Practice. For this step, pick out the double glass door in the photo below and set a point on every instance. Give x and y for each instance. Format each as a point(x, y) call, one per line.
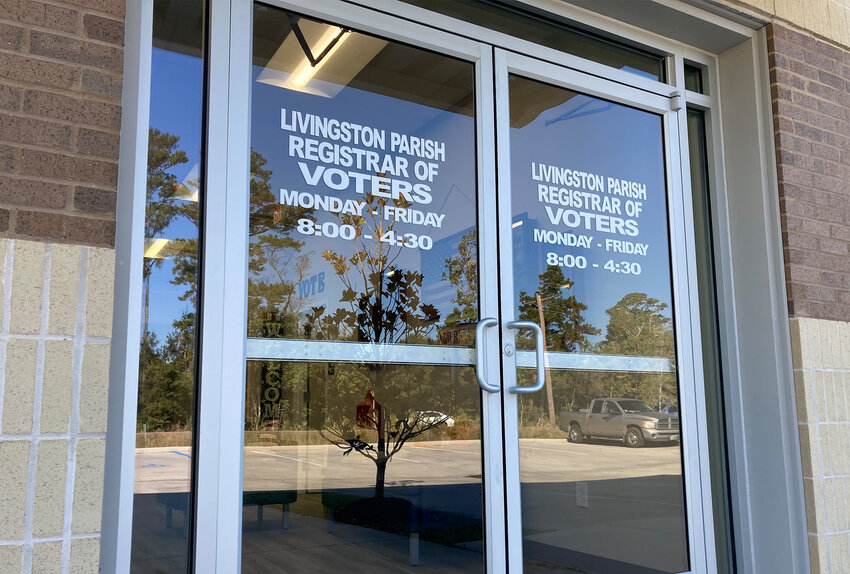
point(465, 301)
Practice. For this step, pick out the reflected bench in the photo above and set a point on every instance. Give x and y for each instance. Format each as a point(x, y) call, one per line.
point(259, 498)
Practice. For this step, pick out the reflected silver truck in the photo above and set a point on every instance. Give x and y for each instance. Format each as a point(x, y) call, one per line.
point(630, 420)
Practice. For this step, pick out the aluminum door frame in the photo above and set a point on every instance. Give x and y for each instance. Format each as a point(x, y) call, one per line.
point(220, 445)
point(685, 306)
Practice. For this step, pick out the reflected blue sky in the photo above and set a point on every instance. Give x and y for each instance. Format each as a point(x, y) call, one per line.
point(453, 189)
point(176, 79)
point(591, 135)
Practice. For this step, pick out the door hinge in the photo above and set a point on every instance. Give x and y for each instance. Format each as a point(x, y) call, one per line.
point(677, 102)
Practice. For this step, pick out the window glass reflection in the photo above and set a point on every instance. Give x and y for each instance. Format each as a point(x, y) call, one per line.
point(590, 243)
point(362, 230)
point(362, 188)
point(361, 467)
point(588, 503)
point(166, 401)
point(592, 268)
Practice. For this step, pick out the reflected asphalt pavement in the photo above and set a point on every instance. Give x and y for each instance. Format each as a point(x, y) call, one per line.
point(166, 469)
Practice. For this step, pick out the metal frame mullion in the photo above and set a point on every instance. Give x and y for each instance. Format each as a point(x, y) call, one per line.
point(495, 516)
point(513, 503)
point(219, 445)
point(120, 456)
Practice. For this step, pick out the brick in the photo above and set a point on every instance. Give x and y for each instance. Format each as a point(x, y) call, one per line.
point(14, 458)
point(98, 143)
point(33, 131)
point(29, 193)
point(94, 232)
point(808, 132)
point(5, 216)
point(72, 109)
point(112, 7)
point(64, 283)
point(65, 228)
point(819, 59)
point(88, 486)
point(20, 385)
point(832, 246)
point(7, 158)
point(11, 37)
point(10, 98)
point(804, 70)
point(40, 225)
point(94, 201)
point(49, 509)
point(831, 80)
point(68, 168)
point(85, 556)
point(828, 93)
point(39, 14)
point(78, 51)
point(790, 79)
point(95, 386)
point(36, 72)
point(826, 152)
point(775, 60)
point(104, 29)
point(102, 84)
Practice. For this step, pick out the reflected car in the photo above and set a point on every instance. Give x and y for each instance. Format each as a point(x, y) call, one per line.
point(431, 417)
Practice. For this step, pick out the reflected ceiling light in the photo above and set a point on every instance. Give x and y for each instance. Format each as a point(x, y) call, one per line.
point(155, 247)
point(189, 186)
point(319, 59)
point(330, 42)
point(517, 224)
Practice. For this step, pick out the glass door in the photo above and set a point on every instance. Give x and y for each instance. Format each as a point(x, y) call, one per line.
point(443, 373)
point(594, 458)
point(366, 441)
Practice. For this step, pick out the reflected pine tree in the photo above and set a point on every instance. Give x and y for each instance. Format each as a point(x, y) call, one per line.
point(275, 261)
point(637, 326)
point(462, 272)
point(566, 329)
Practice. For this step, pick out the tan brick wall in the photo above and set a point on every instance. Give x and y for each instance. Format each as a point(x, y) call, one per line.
point(56, 304)
point(829, 19)
point(60, 94)
point(821, 355)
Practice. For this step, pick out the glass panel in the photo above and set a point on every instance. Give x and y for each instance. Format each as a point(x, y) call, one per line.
point(363, 236)
point(363, 188)
point(693, 79)
point(542, 30)
point(162, 508)
point(709, 324)
point(361, 468)
point(592, 267)
point(589, 505)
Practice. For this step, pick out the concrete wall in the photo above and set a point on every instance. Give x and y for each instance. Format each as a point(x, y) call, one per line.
point(60, 92)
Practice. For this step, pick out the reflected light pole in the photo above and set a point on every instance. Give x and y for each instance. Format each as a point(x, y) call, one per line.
point(548, 375)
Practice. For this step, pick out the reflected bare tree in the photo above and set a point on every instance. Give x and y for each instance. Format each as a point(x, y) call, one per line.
point(382, 306)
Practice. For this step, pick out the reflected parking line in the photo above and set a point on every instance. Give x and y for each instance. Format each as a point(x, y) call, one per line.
point(407, 459)
point(447, 450)
point(287, 457)
point(522, 447)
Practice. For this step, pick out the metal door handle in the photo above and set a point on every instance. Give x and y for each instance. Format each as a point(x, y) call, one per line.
point(479, 354)
point(541, 367)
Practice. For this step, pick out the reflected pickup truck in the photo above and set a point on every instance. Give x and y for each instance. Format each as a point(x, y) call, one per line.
point(630, 420)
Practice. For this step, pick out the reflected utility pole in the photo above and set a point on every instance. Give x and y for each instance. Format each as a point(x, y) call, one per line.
point(547, 372)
